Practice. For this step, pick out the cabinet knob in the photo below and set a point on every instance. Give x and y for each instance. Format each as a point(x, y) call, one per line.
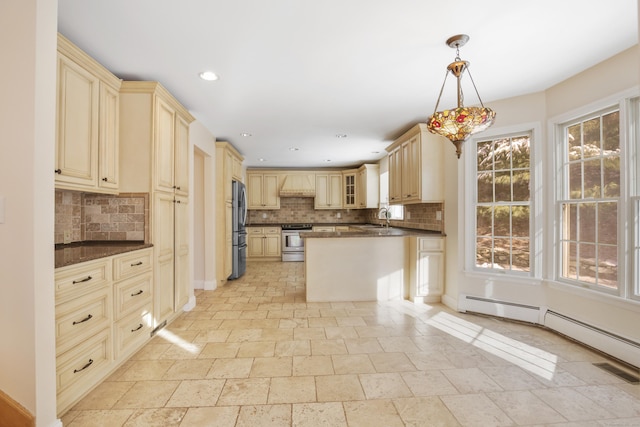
point(58, 171)
point(105, 179)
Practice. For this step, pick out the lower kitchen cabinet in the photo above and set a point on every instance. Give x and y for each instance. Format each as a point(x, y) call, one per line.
point(426, 269)
point(264, 243)
point(103, 315)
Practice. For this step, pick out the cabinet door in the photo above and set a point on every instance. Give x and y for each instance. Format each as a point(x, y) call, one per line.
point(335, 192)
point(430, 274)
point(255, 246)
point(361, 187)
point(164, 146)
point(254, 191)
point(395, 176)
point(270, 197)
point(321, 201)
point(163, 242)
point(77, 133)
point(181, 177)
point(411, 169)
point(108, 141)
point(272, 245)
point(181, 253)
point(349, 190)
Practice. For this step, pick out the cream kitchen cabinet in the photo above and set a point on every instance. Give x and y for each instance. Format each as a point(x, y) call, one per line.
point(368, 186)
point(328, 191)
point(426, 269)
point(264, 243)
point(102, 316)
point(349, 193)
point(416, 167)
point(87, 136)
point(228, 169)
point(154, 158)
point(262, 190)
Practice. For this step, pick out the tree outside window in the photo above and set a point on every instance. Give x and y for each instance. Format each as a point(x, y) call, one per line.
point(503, 226)
point(589, 206)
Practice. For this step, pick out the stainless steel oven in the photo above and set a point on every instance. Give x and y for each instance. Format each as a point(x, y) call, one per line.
point(292, 243)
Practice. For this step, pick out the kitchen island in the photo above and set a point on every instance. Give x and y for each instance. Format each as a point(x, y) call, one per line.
point(370, 263)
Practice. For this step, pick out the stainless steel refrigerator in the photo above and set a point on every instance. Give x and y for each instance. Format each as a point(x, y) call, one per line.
point(239, 219)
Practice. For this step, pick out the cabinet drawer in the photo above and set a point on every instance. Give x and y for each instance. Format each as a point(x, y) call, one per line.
point(132, 293)
point(78, 279)
point(431, 243)
point(324, 229)
point(254, 230)
point(78, 369)
point(80, 318)
point(130, 264)
point(342, 228)
point(132, 331)
point(272, 230)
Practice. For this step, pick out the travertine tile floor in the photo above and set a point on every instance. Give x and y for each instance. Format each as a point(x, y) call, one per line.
point(253, 353)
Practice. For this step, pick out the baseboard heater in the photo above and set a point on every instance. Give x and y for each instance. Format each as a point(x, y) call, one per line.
point(506, 309)
point(619, 347)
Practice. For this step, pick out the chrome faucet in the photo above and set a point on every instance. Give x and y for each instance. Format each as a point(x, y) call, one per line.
point(387, 215)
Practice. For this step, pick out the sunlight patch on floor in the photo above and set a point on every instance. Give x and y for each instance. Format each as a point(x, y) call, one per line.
point(174, 339)
point(532, 359)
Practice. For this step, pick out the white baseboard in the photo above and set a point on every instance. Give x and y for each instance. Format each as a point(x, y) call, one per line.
point(506, 309)
point(450, 302)
point(191, 304)
point(198, 284)
point(210, 285)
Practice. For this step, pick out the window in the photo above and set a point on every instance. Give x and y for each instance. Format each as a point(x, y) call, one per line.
point(589, 200)
point(502, 205)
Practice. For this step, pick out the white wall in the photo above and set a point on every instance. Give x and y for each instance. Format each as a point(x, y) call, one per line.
point(622, 72)
point(27, 119)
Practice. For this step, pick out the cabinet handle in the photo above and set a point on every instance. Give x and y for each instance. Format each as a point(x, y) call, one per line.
point(58, 171)
point(135, 264)
point(105, 179)
point(89, 317)
point(138, 328)
point(86, 279)
point(176, 187)
point(178, 201)
point(137, 293)
point(75, 371)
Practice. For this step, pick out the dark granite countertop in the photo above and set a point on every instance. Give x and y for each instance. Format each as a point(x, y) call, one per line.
point(77, 252)
point(369, 230)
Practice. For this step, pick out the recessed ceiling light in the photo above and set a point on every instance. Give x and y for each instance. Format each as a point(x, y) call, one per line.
point(341, 135)
point(327, 160)
point(208, 76)
point(293, 149)
point(245, 134)
point(375, 152)
point(262, 160)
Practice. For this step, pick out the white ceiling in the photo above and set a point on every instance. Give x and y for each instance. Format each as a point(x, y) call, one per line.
point(296, 73)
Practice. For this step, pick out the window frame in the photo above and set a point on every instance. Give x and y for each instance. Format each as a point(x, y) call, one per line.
point(535, 198)
point(628, 104)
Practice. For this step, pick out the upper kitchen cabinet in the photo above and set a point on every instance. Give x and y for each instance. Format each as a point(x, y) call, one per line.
point(262, 190)
point(328, 191)
point(349, 192)
point(368, 186)
point(416, 167)
point(154, 130)
point(87, 136)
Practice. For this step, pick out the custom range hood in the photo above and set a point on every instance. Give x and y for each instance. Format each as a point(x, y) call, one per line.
point(298, 185)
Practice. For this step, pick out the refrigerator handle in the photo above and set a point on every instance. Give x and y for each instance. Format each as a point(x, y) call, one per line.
point(244, 205)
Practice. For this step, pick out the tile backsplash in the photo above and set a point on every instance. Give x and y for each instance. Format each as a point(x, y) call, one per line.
point(421, 216)
point(90, 216)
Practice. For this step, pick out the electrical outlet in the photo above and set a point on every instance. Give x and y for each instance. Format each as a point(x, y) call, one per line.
point(438, 215)
point(338, 215)
point(67, 236)
point(408, 215)
point(264, 216)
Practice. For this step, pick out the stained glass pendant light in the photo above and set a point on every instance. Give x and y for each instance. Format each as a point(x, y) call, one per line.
point(458, 124)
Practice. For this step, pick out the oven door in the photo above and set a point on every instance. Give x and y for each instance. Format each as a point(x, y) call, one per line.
point(292, 242)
